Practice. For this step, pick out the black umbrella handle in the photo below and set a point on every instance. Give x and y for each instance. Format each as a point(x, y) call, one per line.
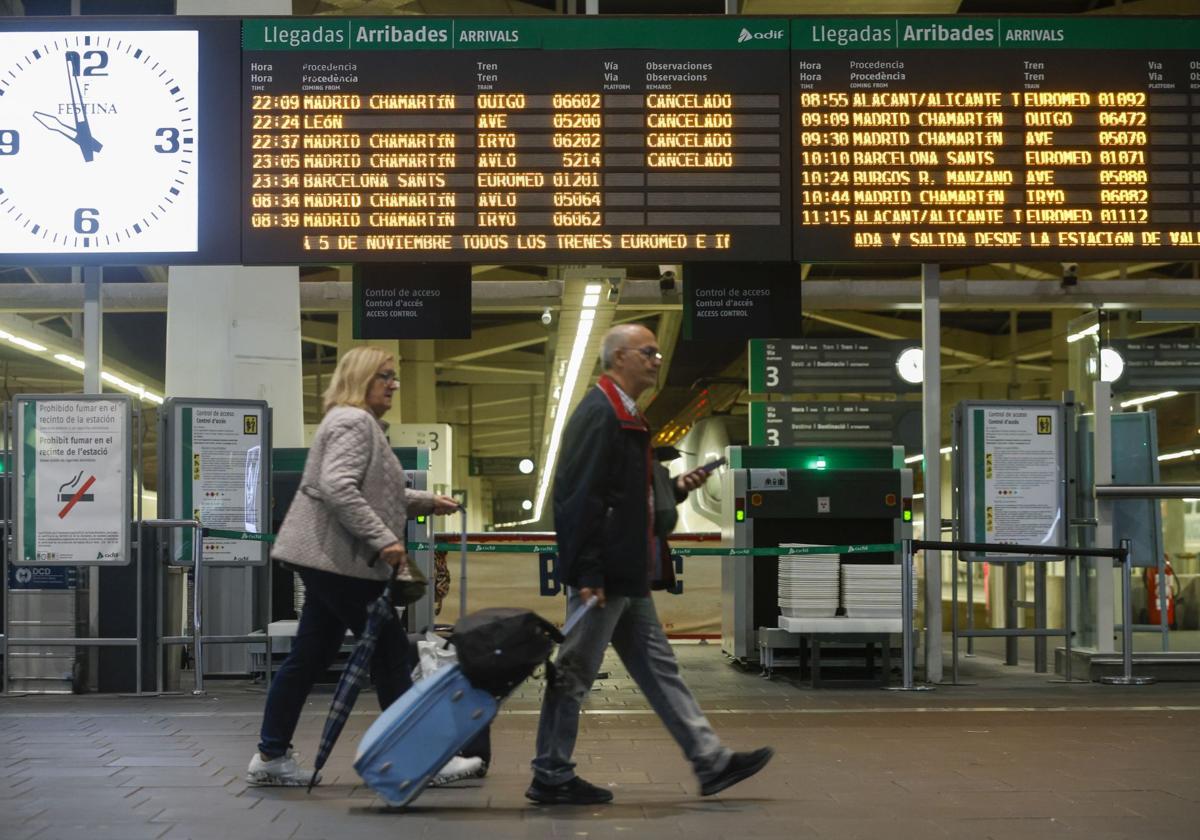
point(387, 586)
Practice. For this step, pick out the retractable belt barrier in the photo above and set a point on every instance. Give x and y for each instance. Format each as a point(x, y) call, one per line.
point(538, 548)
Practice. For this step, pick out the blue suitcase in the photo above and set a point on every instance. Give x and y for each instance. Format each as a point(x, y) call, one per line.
point(420, 732)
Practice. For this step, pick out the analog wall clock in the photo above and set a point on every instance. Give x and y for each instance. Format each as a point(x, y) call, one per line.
point(98, 142)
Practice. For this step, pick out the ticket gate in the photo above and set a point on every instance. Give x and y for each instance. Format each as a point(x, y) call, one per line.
point(287, 594)
point(287, 468)
point(821, 496)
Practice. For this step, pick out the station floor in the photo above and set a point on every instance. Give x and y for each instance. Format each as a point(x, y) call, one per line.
point(1013, 755)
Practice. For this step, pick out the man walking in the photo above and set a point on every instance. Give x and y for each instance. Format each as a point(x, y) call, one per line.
point(604, 517)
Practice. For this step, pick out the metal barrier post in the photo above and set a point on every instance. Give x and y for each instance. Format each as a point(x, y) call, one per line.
point(1127, 677)
point(197, 552)
point(1067, 616)
point(906, 620)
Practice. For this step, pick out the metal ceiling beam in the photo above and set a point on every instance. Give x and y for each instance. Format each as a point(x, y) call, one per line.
point(536, 295)
point(962, 344)
point(1002, 294)
point(484, 375)
point(318, 332)
point(489, 341)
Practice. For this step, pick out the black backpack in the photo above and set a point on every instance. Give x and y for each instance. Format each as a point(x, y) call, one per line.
point(499, 648)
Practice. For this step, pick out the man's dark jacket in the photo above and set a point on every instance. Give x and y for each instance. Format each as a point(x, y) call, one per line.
point(602, 496)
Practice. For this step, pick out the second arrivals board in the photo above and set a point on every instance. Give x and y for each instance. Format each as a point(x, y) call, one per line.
point(1013, 139)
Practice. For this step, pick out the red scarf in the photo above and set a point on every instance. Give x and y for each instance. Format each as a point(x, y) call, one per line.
point(635, 423)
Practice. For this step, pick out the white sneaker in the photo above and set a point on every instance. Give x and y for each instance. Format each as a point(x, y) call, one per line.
point(278, 772)
point(456, 769)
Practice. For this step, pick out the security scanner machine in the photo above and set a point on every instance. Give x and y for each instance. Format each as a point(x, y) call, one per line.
point(287, 595)
point(856, 497)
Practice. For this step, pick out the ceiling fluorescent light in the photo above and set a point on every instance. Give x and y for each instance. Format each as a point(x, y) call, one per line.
point(593, 289)
point(26, 343)
point(560, 418)
point(591, 300)
point(1152, 398)
point(1092, 330)
point(912, 459)
point(1171, 456)
point(70, 360)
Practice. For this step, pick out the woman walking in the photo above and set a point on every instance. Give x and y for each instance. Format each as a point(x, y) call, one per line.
point(344, 533)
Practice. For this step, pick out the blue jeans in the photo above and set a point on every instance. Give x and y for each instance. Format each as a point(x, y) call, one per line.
point(332, 604)
point(632, 625)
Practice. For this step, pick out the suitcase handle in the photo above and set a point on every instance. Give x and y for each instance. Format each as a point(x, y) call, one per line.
point(462, 572)
point(578, 615)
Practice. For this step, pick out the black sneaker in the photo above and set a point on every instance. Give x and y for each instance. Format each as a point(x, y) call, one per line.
point(741, 766)
point(573, 792)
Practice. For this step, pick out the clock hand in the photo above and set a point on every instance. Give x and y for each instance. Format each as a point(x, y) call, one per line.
point(87, 144)
point(56, 125)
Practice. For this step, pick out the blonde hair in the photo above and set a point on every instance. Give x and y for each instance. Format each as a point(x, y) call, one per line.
point(352, 377)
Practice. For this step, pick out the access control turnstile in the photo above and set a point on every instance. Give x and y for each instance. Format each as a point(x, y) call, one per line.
point(287, 596)
point(818, 495)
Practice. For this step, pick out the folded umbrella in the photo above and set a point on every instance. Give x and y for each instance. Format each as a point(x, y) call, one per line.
point(358, 669)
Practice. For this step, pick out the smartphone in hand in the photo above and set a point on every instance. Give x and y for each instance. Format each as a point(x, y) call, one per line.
point(712, 465)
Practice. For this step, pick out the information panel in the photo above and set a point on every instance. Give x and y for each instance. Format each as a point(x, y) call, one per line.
point(1157, 364)
point(516, 139)
point(1010, 473)
point(831, 365)
point(976, 139)
point(73, 480)
point(215, 450)
point(815, 423)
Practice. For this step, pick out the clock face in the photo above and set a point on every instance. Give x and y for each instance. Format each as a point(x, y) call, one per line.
point(98, 142)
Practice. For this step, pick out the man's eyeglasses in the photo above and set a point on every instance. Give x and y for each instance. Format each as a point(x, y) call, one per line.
point(388, 377)
point(651, 353)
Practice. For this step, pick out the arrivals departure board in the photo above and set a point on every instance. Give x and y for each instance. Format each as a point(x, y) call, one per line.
point(961, 139)
point(516, 140)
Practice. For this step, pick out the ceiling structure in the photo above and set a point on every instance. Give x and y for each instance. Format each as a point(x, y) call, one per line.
point(1004, 325)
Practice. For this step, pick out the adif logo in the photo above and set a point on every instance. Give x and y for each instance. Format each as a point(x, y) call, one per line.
point(770, 35)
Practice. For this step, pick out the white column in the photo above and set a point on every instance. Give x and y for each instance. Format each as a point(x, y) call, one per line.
point(234, 332)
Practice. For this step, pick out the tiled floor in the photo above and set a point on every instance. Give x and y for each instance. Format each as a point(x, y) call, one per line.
point(1013, 756)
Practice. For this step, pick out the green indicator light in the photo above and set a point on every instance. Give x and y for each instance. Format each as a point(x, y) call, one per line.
point(421, 519)
point(908, 516)
point(740, 516)
point(817, 463)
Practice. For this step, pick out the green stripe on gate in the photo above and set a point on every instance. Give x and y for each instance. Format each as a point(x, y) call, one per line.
point(549, 548)
point(237, 535)
point(544, 548)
